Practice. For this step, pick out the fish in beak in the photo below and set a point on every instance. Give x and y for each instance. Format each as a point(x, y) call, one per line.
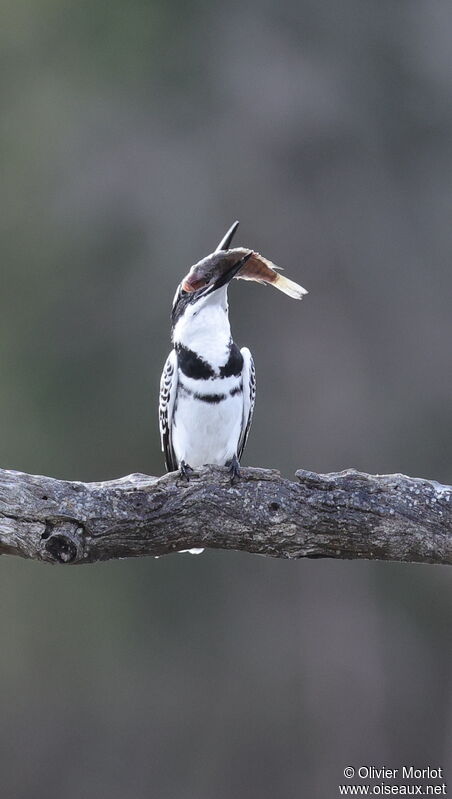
point(222, 266)
point(215, 271)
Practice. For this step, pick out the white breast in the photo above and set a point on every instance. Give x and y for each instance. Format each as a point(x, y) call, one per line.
point(205, 432)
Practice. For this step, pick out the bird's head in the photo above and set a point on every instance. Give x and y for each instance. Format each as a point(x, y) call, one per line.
point(204, 288)
point(206, 284)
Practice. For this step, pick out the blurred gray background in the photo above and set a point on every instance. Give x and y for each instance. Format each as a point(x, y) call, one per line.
point(132, 135)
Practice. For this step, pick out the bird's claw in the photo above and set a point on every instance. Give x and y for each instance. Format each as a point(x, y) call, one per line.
point(234, 470)
point(185, 470)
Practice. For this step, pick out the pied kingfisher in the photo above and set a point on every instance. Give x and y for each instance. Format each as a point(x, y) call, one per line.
point(208, 385)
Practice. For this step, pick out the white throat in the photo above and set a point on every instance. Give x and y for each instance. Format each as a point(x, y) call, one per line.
point(204, 328)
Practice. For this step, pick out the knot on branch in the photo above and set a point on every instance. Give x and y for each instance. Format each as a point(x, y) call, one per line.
point(62, 541)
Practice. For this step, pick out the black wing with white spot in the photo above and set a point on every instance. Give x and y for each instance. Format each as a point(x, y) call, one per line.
point(167, 401)
point(249, 397)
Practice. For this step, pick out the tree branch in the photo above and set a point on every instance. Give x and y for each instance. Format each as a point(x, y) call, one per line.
point(339, 515)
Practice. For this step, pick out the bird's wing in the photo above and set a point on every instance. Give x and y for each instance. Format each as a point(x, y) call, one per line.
point(167, 400)
point(249, 396)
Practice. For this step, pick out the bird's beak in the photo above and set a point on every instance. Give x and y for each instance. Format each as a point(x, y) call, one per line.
point(225, 242)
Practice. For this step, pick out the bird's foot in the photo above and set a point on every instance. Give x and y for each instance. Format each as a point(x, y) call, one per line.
point(234, 470)
point(185, 470)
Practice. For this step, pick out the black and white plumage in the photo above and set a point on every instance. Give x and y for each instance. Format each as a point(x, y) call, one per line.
point(207, 389)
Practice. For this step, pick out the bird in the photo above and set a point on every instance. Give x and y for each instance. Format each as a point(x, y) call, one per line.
point(208, 384)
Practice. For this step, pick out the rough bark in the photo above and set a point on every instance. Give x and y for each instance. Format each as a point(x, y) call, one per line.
point(340, 515)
